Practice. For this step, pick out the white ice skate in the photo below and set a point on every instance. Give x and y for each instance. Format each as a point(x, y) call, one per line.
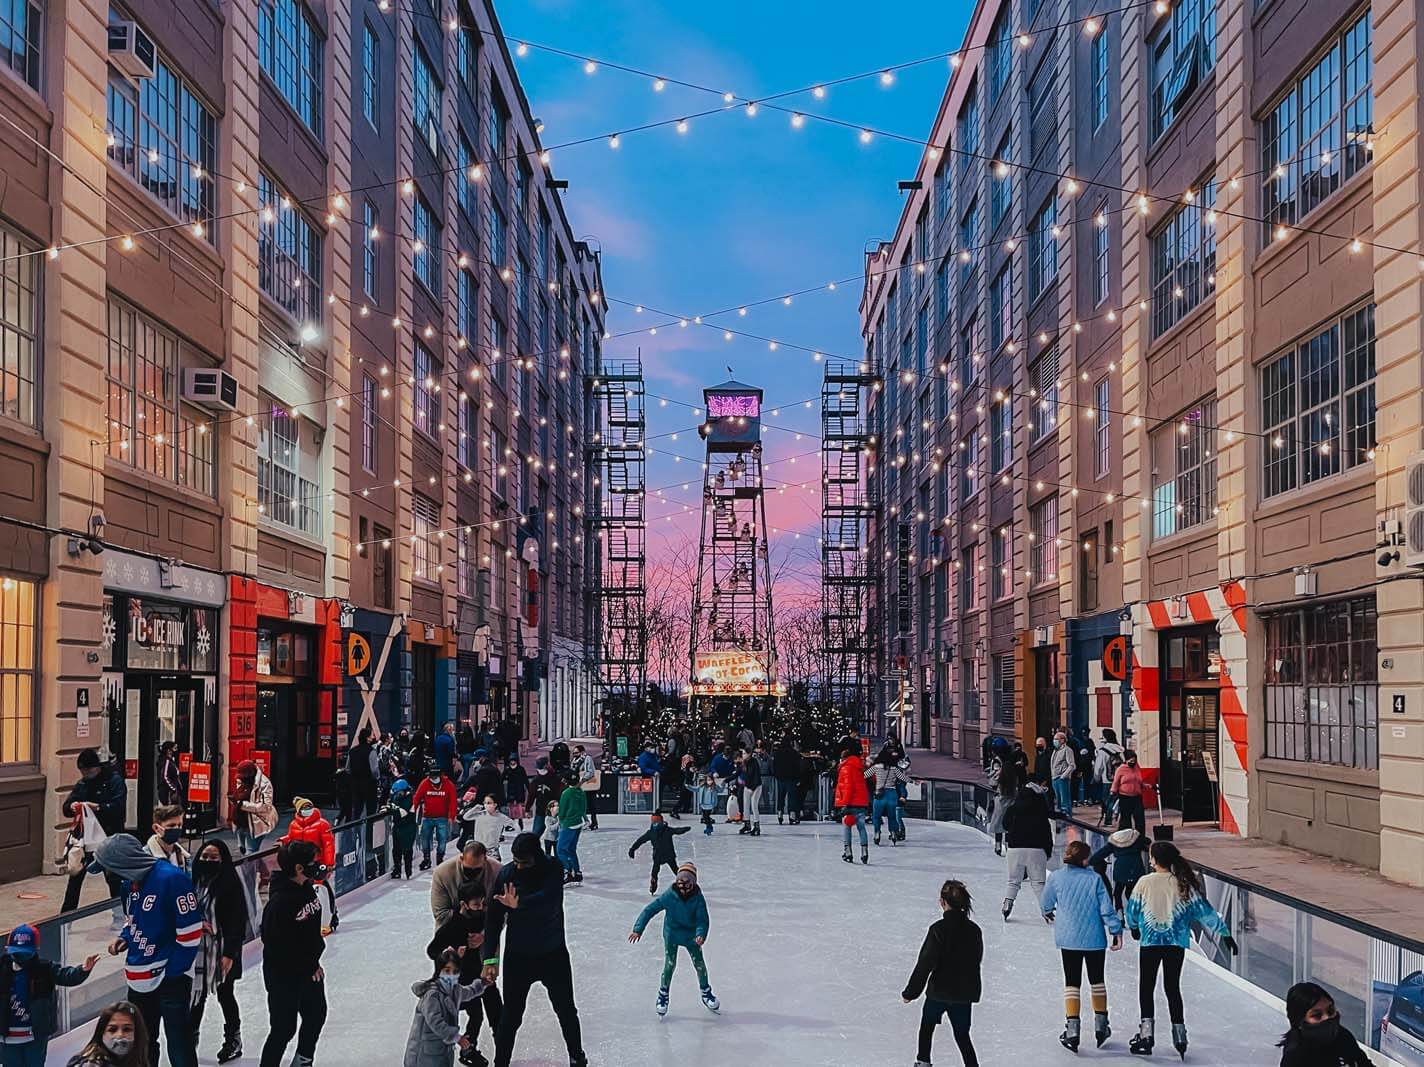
point(710, 1001)
point(662, 1001)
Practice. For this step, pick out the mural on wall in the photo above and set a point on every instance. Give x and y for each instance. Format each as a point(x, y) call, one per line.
point(372, 665)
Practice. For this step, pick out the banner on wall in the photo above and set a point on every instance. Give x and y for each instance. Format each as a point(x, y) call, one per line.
point(733, 672)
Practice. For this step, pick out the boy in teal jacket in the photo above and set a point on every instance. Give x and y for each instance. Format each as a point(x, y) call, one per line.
point(685, 923)
point(404, 824)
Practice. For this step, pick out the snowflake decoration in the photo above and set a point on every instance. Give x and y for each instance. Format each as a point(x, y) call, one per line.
point(203, 641)
point(109, 631)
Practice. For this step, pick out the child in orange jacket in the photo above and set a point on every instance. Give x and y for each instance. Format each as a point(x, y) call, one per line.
point(309, 824)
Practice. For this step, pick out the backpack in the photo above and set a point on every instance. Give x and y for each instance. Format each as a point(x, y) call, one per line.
point(1113, 762)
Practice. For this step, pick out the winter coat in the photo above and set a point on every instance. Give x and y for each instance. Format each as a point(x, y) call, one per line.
point(1127, 782)
point(291, 929)
point(487, 781)
point(1128, 850)
point(706, 797)
point(438, 801)
point(317, 830)
point(648, 762)
point(457, 932)
point(685, 919)
point(485, 828)
point(947, 969)
point(751, 773)
point(258, 807)
point(660, 834)
point(516, 785)
point(721, 766)
point(544, 789)
point(361, 762)
point(1108, 758)
point(445, 885)
point(109, 795)
point(1042, 764)
point(1157, 913)
point(225, 898)
point(851, 791)
point(179, 857)
point(785, 762)
point(43, 976)
point(1344, 1051)
point(885, 778)
point(1026, 822)
point(1063, 763)
point(403, 822)
point(573, 808)
point(436, 1031)
point(170, 782)
point(536, 927)
point(1081, 907)
point(444, 752)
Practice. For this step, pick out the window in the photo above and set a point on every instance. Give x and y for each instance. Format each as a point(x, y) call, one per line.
point(467, 306)
point(19, 326)
point(1184, 481)
point(381, 568)
point(970, 472)
point(942, 192)
point(522, 281)
point(466, 193)
point(1322, 684)
point(148, 427)
point(967, 130)
point(1182, 55)
point(1098, 76)
point(467, 56)
point(21, 22)
point(1002, 688)
point(427, 390)
point(288, 254)
point(969, 567)
point(1184, 260)
point(1001, 567)
point(370, 423)
point(427, 247)
point(1102, 280)
point(499, 345)
point(468, 450)
point(1042, 109)
point(1318, 404)
point(371, 77)
point(968, 358)
point(498, 235)
point(968, 238)
point(922, 339)
point(969, 677)
point(288, 483)
point(1001, 182)
point(1321, 132)
point(165, 138)
point(464, 562)
point(1043, 534)
point(498, 131)
point(1001, 308)
point(1043, 248)
point(1001, 435)
point(18, 616)
point(426, 112)
point(1087, 556)
point(289, 51)
point(1043, 409)
point(1000, 57)
point(370, 261)
point(1102, 427)
point(499, 469)
point(424, 520)
point(942, 292)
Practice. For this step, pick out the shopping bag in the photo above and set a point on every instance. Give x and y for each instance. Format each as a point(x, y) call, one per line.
point(94, 834)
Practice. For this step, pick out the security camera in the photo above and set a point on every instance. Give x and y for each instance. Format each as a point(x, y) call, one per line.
point(1388, 556)
point(93, 542)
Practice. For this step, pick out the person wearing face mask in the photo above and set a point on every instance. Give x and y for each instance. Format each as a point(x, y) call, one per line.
point(1063, 764)
point(516, 788)
point(437, 804)
point(163, 843)
point(487, 825)
point(219, 964)
point(1127, 793)
point(685, 925)
point(120, 1039)
point(27, 985)
point(1042, 760)
point(309, 824)
point(435, 1031)
point(253, 814)
point(292, 945)
point(472, 866)
point(1316, 1037)
point(465, 933)
point(101, 792)
point(403, 827)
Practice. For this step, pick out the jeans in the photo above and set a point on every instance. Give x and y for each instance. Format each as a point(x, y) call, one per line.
point(883, 806)
point(290, 998)
point(1170, 959)
point(232, 1016)
point(566, 848)
point(171, 1005)
point(538, 828)
point(698, 964)
point(1063, 795)
point(521, 971)
point(959, 1019)
point(247, 841)
point(788, 797)
point(27, 1055)
point(440, 830)
point(859, 815)
point(76, 885)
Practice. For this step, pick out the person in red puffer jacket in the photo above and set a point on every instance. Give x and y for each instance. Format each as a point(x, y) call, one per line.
point(853, 800)
point(309, 824)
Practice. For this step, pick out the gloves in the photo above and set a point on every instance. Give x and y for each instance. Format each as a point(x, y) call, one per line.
point(1135, 932)
point(630, 853)
point(1231, 945)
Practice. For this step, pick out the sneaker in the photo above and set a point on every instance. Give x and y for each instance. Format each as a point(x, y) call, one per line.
point(231, 1048)
point(709, 1001)
point(662, 1001)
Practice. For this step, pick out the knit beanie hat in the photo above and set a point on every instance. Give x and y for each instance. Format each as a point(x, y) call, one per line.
point(688, 868)
point(656, 817)
point(24, 942)
point(298, 803)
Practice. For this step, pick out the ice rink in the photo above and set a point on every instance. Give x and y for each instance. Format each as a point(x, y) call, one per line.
point(808, 956)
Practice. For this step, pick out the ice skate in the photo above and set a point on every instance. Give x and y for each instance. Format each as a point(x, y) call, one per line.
point(662, 1001)
point(1101, 1030)
point(710, 1001)
point(1008, 907)
point(847, 856)
point(395, 874)
point(780, 820)
point(1179, 1039)
point(877, 838)
point(756, 830)
point(425, 864)
point(707, 830)
point(578, 1061)
point(231, 1048)
point(578, 877)
point(1072, 1031)
point(302, 1061)
point(864, 854)
point(1141, 1045)
point(746, 829)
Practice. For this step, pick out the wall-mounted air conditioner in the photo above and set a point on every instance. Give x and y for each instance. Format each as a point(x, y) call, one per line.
point(210, 387)
point(1414, 510)
point(131, 50)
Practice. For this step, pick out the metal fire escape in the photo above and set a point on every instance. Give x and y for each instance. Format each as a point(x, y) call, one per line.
point(848, 568)
point(619, 523)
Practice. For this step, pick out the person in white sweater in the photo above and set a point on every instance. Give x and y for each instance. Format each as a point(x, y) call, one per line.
point(487, 825)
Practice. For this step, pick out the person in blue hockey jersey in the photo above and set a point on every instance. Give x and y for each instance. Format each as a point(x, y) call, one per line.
point(160, 940)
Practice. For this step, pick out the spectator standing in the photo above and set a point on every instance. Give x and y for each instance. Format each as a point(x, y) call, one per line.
point(27, 985)
point(1063, 764)
point(365, 771)
point(170, 782)
point(444, 754)
point(254, 816)
point(1127, 786)
point(102, 792)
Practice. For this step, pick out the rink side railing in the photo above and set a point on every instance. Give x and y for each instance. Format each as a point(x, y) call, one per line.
point(362, 854)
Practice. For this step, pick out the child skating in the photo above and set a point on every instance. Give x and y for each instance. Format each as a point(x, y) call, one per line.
point(707, 802)
point(403, 827)
point(685, 923)
point(660, 835)
point(550, 836)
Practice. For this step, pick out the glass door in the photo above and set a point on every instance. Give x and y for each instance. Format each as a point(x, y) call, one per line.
point(1198, 742)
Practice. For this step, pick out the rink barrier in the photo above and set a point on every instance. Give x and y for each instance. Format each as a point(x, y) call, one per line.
point(362, 855)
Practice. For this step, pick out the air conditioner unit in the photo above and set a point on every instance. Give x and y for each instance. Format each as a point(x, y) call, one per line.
point(1414, 511)
point(131, 50)
point(210, 387)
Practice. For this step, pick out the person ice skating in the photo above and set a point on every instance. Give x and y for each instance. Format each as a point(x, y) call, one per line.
point(159, 943)
point(253, 814)
point(550, 837)
point(786, 769)
point(27, 985)
point(886, 776)
point(1317, 1037)
point(163, 843)
point(573, 812)
point(435, 1031)
point(102, 794)
point(309, 824)
point(119, 1040)
point(1161, 912)
point(1077, 903)
point(588, 780)
point(1029, 838)
point(516, 789)
point(947, 971)
point(1004, 783)
point(486, 824)
point(223, 905)
point(543, 791)
point(685, 925)
point(404, 824)
point(465, 933)
point(751, 781)
point(437, 805)
point(292, 944)
point(1126, 793)
point(660, 835)
point(706, 797)
point(1128, 851)
point(853, 801)
point(473, 866)
point(528, 897)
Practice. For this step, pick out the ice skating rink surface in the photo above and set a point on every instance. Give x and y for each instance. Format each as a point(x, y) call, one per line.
point(807, 954)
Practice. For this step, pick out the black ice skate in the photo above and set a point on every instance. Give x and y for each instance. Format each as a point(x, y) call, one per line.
point(425, 864)
point(1008, 907)
point(864, 854)
point(710, 1001)
point(1141, 1045)
point(1179, 1039)
point(756, 830)
point(662, 1001)
point(231, 1048)
point(847, 856)
point(746, 828)
point(877, 838)
point(1101, 1030)
point(1072, 1031)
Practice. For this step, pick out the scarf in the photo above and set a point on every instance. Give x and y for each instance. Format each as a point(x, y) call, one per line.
point(207, 969)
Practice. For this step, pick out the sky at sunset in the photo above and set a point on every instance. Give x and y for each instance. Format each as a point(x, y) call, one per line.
point(735, 210)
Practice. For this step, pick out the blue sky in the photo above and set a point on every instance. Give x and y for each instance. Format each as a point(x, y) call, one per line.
point(738, 209)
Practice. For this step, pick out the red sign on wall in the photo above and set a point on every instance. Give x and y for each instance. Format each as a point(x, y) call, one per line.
point(200, 783)
point(263, 758)
point(185, 760)
point(640, 785)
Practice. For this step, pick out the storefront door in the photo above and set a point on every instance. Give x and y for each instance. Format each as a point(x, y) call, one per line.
point(422, 688)
point(1190, 704)
point(160, 708)
point(289, 729)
